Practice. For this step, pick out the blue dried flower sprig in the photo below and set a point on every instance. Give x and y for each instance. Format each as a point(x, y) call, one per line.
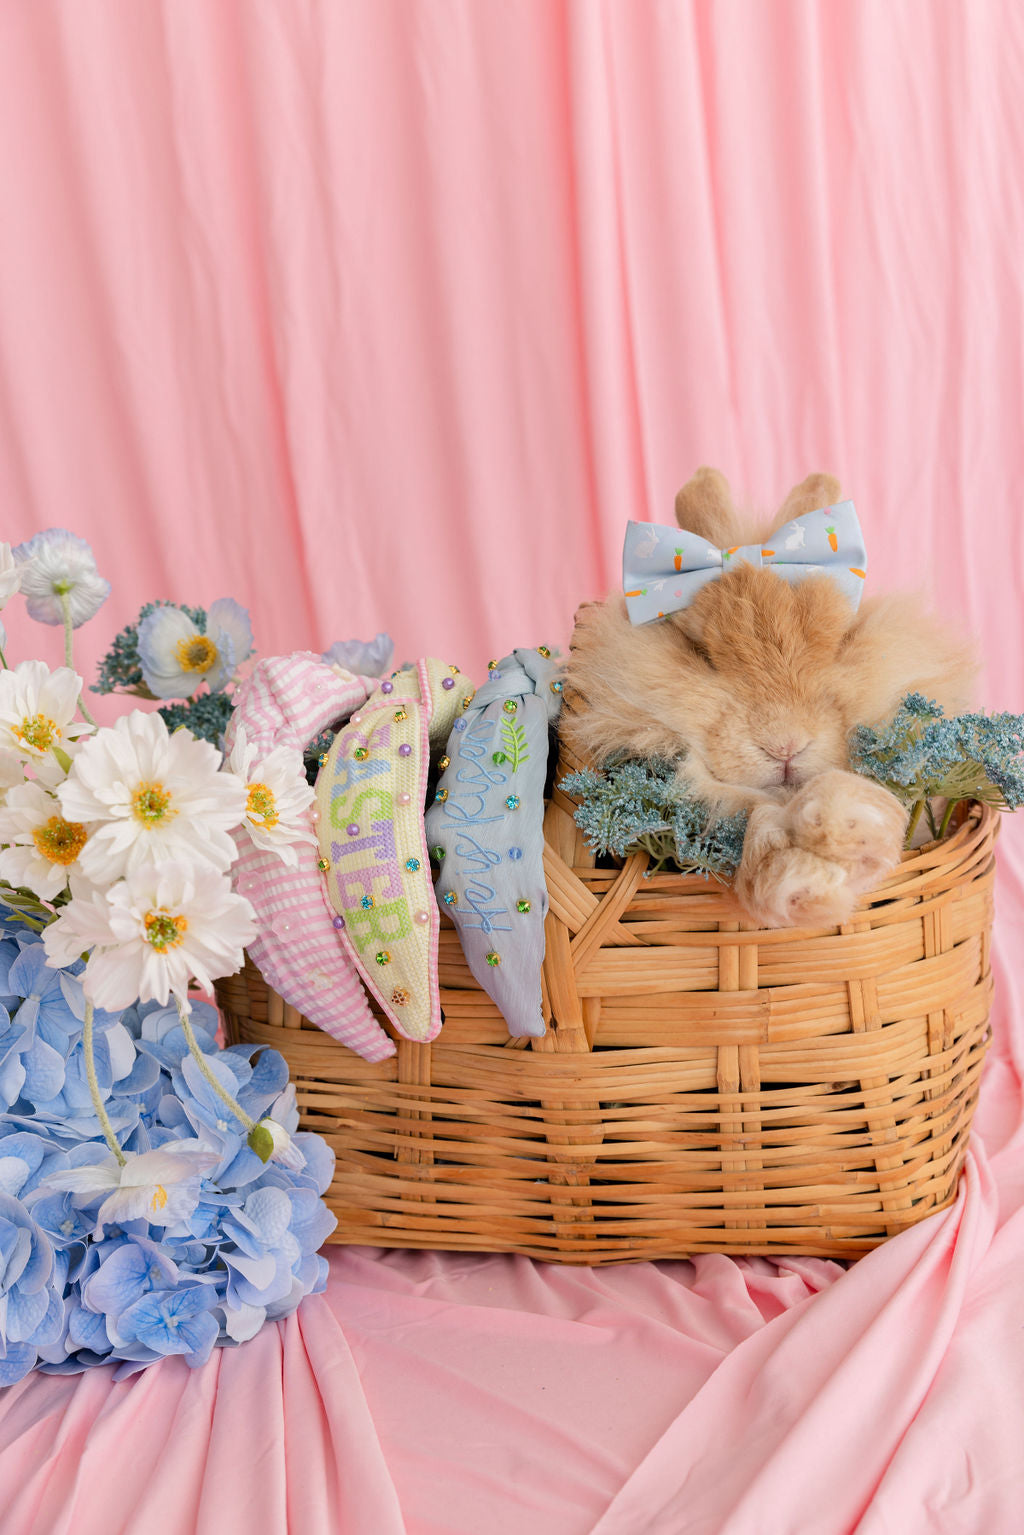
point(921, 755)
point(634, 807)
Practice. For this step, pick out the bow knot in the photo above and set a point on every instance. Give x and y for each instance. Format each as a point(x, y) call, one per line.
point(663, 569)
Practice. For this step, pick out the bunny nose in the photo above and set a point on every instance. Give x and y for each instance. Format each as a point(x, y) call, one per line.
point(785, 751)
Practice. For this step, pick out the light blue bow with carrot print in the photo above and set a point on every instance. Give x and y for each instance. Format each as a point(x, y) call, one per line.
point(663, 569)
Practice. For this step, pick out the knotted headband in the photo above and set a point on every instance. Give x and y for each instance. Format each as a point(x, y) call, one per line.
point(288, 701)
point(373, 853)
point(485, 830)
point(663, 569)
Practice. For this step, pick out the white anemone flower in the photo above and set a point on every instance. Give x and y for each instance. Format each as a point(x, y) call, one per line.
point(37, 714)
point(278, 798)
point(152, 795)
point(10, 575)
point(152, 933)
point(58, 566)
point(161, 1186)
point(42, 847)
point(176, 657)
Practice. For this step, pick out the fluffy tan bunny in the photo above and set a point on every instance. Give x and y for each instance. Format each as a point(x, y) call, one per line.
point(754, 690)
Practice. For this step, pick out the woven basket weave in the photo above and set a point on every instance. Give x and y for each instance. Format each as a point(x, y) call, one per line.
point(703, 1086)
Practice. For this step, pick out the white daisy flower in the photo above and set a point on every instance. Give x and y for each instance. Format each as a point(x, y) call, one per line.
point(10, 575)
point(57, 565)
point(37, 714)
point(152, 795)
point(160, 1186)
point(42, 847)
point(12, 772)
point(152, 933)
point(278, 797)
point(175, 657)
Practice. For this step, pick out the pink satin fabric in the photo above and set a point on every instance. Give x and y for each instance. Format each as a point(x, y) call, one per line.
point(389, 314)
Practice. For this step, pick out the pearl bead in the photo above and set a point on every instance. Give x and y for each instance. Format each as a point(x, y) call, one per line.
point(405, 750)
point(356, 719)
point(352, 829)
point(339, 923)
point(448, 682)
point(387, 687)
point(405, 797)
point(422, 917)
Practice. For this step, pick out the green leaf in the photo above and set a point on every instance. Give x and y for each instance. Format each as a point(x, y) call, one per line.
point(513, 738)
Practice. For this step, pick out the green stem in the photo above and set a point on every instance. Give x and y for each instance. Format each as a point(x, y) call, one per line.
point(915, 816)
point(3, 660)
point(947, 817)
point(94, 1087)
point(69, 660)
point(200, 1060)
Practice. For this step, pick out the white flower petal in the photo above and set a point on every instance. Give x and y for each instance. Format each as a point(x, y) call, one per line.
point(10, 575)
point(226, 616)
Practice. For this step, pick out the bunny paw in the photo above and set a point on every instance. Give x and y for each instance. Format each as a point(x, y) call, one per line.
point(849, 821)
point(781, 885)
point(806, 862)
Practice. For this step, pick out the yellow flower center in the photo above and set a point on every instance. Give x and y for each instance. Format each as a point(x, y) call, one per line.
point(159, 1198)
point(261, 805)
point(151, 804)
point(58, 840)
point(38, 731)
point(165, 931)
point(197, 654)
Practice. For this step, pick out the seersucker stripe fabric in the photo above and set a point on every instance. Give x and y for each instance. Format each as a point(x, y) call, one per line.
point(289, 701)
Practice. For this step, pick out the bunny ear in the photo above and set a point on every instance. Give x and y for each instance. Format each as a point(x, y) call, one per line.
point(815, 491)
point(704, 507)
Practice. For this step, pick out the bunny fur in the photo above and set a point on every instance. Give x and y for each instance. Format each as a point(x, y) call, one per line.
point(754, 690)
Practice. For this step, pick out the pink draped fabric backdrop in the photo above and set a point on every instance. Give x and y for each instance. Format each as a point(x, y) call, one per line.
point(388, 314)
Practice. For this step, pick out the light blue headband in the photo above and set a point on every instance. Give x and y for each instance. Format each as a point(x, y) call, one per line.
point(663, 569)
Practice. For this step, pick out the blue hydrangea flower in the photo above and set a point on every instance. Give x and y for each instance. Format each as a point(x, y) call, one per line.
point(238, 1247)
point(31, 1311)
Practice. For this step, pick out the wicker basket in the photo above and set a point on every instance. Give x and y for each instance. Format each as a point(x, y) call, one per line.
point(703, 1086)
